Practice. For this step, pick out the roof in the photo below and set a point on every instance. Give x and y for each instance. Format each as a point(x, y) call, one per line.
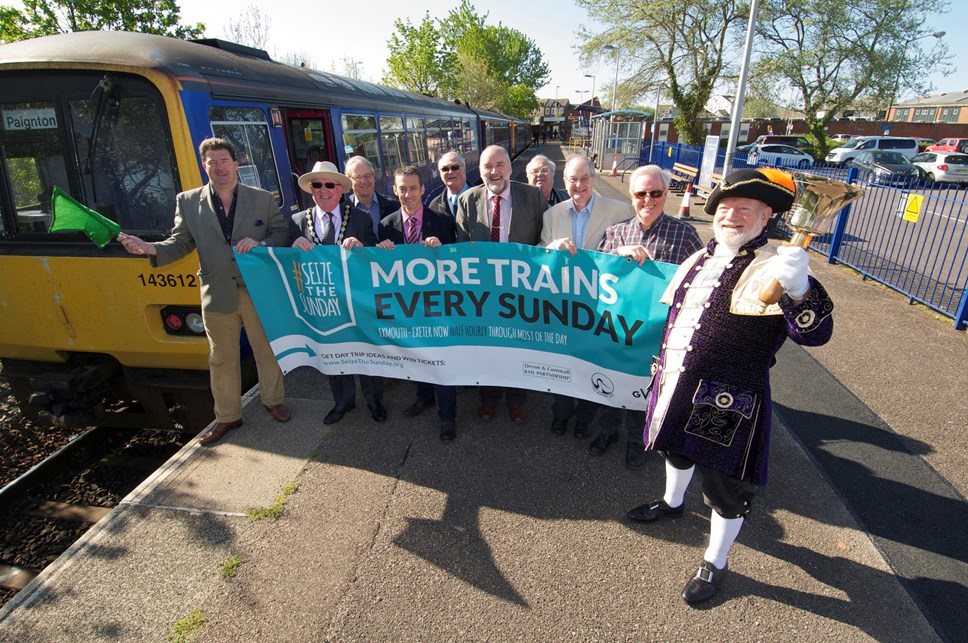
point(946, 98)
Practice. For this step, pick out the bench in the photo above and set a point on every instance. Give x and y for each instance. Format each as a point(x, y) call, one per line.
point(682, 175)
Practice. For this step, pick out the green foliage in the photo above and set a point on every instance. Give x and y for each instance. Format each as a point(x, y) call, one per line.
point(48, 17)
point(230, 567)
point(416, 63)
point(188, 629)
point(275, 509)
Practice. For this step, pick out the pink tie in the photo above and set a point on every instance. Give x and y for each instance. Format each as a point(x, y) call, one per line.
point(413, 234)
point(496, 220)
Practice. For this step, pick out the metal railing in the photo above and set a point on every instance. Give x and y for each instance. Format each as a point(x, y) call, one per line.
point(911, 237)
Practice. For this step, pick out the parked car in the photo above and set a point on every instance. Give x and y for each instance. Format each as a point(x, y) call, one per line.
point(885, 168)
point(793, 141)
point(924, 143)
point(948, 145)
point(783, 155)
point(942, 167)
point(908, 147)
point(840, 138)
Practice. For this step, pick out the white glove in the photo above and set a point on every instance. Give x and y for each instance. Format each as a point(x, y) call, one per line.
point(789, 267)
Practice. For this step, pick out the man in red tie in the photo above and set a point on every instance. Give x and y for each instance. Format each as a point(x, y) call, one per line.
point(501, 211)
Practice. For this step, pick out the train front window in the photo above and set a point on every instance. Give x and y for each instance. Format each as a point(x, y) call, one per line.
point(248, 131)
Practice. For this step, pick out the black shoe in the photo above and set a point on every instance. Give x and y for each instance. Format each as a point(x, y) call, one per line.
point(705, 583)
point(634, 456)
point(337, 413)
point(417, 408)
point(558, 427)
point(582, 429)
point(601, 443)
point(448, 430)
point(654, 510)
point(378, 411)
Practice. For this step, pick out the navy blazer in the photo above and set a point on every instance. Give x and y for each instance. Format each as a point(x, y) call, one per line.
point(434, 224)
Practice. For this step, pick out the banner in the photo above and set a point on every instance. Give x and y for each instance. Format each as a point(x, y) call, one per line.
point(465, 314)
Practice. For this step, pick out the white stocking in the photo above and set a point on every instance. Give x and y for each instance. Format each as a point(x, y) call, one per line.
point(722, 534)
point(677, 480)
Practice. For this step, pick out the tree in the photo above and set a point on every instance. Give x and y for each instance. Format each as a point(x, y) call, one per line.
point(679, 46)
point(48, 17)
point(839, 53)
point(250, 28)
point(297, 58)
point(417, 62)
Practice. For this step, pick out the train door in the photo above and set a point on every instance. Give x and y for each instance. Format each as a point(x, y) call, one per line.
point(310, 139)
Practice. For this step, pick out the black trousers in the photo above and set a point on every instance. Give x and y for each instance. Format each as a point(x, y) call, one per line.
point(728, 496)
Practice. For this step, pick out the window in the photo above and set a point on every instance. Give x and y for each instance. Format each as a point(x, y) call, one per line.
point(470, 135)
point(247, 130)
point(435, 138)
point(360, 139)
point(924, 114)
point(901, 114)
point(950, 114)
point(416, 141)
point(393, 140)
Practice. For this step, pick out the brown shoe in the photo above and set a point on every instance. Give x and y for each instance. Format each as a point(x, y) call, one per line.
point(216, 432)
point(517, 414)
point(486, 412)
point(279, 412)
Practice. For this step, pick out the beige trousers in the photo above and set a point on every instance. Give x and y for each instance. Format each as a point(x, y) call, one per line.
point(224, 361)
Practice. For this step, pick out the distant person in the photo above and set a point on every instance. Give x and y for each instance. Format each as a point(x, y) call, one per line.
point(334, 221)
point(453, 172)
point(218, 219)
point(541, 174)
point(413, 224)
point(484, 213)
point(363, 194)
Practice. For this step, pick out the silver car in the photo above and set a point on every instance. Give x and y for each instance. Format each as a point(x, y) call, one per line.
point(942, 167)
point(885, 168)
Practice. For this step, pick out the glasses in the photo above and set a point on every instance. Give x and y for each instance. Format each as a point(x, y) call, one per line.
point(329, 185)
point(575, 180)
point(655, 194)
point(539, 171)
point(360, 177)
point(450, 168)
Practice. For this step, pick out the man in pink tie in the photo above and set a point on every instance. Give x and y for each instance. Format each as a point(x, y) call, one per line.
point(501, 211)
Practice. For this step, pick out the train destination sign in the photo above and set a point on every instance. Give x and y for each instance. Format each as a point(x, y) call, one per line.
point(15, 120)
point(494, 314)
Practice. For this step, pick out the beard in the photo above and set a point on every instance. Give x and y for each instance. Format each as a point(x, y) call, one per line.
point(733, 240)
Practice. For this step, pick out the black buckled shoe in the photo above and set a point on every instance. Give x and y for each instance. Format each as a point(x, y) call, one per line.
point(654, 510)
point(705, 583)
point(634, 456)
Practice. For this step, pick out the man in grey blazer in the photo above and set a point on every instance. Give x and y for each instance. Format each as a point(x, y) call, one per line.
point(500, 210)
point(219, 219)
point(579, 222)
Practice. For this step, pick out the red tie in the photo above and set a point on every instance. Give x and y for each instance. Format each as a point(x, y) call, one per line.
point(496, 220)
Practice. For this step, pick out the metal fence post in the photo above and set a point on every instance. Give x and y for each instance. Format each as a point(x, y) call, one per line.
point(961, 314)
point(841, 225)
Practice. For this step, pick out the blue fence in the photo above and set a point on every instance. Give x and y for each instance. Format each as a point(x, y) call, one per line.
point(912, 238)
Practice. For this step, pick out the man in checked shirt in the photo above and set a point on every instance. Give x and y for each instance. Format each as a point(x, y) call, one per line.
point(650, 234)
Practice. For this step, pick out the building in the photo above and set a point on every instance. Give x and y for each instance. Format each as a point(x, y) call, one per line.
point(949, 107)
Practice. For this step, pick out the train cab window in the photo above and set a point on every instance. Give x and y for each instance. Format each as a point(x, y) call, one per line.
point(392, 139)
point(416, 141)
point(33, 162)
point(248, 131)
point(360, 139)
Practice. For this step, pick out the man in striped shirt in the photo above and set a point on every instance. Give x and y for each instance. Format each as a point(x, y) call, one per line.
point(650, 234)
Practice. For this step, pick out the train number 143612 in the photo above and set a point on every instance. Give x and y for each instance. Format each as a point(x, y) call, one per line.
point(168, 281)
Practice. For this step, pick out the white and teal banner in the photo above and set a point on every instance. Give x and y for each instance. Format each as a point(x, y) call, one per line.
point(466, 314)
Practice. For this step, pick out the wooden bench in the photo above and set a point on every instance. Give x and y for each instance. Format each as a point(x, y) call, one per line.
point(682, 175)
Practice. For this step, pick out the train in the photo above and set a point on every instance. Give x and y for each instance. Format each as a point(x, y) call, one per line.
point(115, 119)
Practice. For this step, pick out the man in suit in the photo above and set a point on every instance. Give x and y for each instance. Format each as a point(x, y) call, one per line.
point(219, 219)
point(541, 174)
point(654, 236)
point(359, 171)
point(413, 223)
point(333, 221)
point(579, 222)
point(453, 172)
point(502, 211)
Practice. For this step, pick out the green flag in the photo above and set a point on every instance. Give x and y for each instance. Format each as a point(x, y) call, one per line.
point(72, 216)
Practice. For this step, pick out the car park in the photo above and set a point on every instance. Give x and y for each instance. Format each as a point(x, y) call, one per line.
point(948, 145)
point(906, 146)
point(840, 138)
point(885, 168)
point(781, 155)
point(793, 141)
point(942, 167)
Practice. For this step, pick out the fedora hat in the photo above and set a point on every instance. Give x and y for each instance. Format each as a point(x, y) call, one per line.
point(323, 171)
point(773, 187)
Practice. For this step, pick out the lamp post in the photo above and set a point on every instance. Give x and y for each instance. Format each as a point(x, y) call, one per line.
point(592, 76)
point(614, 51)
point(897, 78)
point(581, 101)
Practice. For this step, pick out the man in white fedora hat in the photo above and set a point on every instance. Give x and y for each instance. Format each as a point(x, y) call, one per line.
point(333, 221)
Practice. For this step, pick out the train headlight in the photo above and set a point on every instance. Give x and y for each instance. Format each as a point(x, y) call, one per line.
point(194, 322)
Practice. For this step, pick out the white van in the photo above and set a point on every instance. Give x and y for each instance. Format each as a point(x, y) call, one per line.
point(853, 148)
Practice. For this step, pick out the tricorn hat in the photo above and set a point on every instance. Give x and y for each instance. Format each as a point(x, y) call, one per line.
point(323, 171)
point(771, 186)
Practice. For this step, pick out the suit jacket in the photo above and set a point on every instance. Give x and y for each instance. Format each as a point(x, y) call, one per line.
point(197, 227)
point(387, 206)
point(527, 206)
point(605, 212)
point(434, 224)
point(441, 204)
point(356, 223)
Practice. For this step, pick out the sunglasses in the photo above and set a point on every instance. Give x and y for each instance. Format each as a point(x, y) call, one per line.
point(329, 185)
point(450, 168)
point(655, 194)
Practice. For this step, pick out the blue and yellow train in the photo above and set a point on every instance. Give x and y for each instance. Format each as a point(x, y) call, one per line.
point(115, 120)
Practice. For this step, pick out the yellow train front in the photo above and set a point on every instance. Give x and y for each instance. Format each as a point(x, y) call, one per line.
point(115, 119)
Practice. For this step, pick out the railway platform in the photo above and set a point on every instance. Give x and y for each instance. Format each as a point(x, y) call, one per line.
point(380, 531)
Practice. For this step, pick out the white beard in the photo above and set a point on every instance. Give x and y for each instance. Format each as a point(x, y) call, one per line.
point(732, 240)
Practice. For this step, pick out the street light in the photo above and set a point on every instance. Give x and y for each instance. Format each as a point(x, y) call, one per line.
point(592, 76)
point(581, 101)
point(614, 51)
point(897, 79)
